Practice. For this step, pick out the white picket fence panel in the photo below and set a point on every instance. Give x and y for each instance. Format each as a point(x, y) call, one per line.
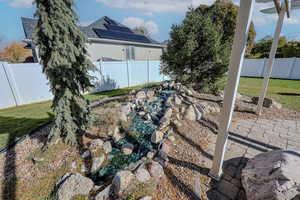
point(25, 83)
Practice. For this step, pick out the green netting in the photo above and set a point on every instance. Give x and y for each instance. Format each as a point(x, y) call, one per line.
point(139, 134)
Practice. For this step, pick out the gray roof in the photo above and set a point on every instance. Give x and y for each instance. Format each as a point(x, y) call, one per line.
point(29, 24)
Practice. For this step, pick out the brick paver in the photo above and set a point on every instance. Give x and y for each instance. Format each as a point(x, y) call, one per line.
point(247, 139)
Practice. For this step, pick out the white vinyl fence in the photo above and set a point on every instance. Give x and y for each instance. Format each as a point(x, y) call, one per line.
point(285, 68)
point(25, 83)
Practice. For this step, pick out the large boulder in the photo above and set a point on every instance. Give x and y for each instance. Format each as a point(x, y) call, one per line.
point(190, 114)
point(268, 103)
point(122, 180)
point(97, 163)
point(155, 170)
point(141, 95)
point(157, 137)
point(104, 194)
point(274, 175)
point(71, 185)
point(95, 144)
point(142, 174)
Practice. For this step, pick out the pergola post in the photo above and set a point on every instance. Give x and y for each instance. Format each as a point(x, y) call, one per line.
point(270, 63)
point(236, 61)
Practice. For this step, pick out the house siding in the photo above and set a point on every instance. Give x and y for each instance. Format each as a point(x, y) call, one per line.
point(143, 53)
point(98, 50)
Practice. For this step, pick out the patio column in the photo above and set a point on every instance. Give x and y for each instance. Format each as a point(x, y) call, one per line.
point(270, 63)
point(236, 61)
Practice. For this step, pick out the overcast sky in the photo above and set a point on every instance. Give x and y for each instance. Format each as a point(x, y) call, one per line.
point(156, 15)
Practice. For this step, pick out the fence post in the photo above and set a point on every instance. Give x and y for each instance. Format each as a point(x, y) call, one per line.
point(128, 74)
point(10, 84)
point(263, 68)
point(148, 72)
point(292, 68)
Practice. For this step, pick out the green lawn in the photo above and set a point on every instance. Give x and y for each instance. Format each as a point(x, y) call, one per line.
point(18, 121)
point(286, 92)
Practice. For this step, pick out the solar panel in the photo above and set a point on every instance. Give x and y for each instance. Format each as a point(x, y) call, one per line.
point(121, 36)
point(110, 21)
point(117, 28)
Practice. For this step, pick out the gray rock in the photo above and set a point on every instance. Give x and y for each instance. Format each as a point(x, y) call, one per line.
point(146, 198)
point(182, 110)
point(177, 100)
point(122, 181)
point(168, 113)
point(107, 148)
point(177, 123)
point(127, 148)
point(104, 194)
point(73, 165)
point(164, 122)
point(142, 113)
point(95, 144)
point(162, 157)
point(169, 102)
point(86, 154)
point(117, 137)
point(171, 138)
point(185, 90)
point(199, 112)
point(190, 114)
point(142, 175)
point(150, 94)
point(96, 163)
point(141, 95)
point(165, 147)
point(83, 169)
point(172, 84)
point(134, 165)
point(157, 136)
point(276, 105)
point(267, 102)
point(209, 107)
point(273, 175)
point(36, 160)
point(150, 154)
point(71, 185)
point(165, 85)
point(126, 109)
point(156, 170)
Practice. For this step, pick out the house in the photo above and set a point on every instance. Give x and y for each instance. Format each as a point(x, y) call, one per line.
point(108, 40)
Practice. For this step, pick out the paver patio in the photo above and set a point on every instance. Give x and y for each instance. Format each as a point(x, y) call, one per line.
point(248, 138)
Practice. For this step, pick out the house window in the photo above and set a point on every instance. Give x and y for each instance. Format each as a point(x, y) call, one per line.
point(130, 53)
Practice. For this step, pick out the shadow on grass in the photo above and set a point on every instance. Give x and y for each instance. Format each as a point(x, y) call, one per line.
point(289, 94)
point(15, 128)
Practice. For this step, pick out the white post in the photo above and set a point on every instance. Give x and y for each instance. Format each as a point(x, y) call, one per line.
point(271, 60)
point(236, 62)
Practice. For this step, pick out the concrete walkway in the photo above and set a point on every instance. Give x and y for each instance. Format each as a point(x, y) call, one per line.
point(247, 139)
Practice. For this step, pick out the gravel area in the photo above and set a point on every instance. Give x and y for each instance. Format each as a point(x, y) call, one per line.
point(191, 159)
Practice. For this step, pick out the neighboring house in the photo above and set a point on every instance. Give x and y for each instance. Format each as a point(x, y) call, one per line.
point(108, 40)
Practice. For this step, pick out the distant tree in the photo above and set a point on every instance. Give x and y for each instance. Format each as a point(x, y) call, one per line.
point(291, 49)
point(224, 15)
point(14, 53)
point(195, 54)
point(198, 51)
point(142, 30)
point(62, 48)
point(262, 48)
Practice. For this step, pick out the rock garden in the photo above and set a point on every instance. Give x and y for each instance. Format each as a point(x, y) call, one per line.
point(156, 143)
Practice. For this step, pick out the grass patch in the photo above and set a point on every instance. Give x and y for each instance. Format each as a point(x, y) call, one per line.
point(286, 92)
point(19, 121)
